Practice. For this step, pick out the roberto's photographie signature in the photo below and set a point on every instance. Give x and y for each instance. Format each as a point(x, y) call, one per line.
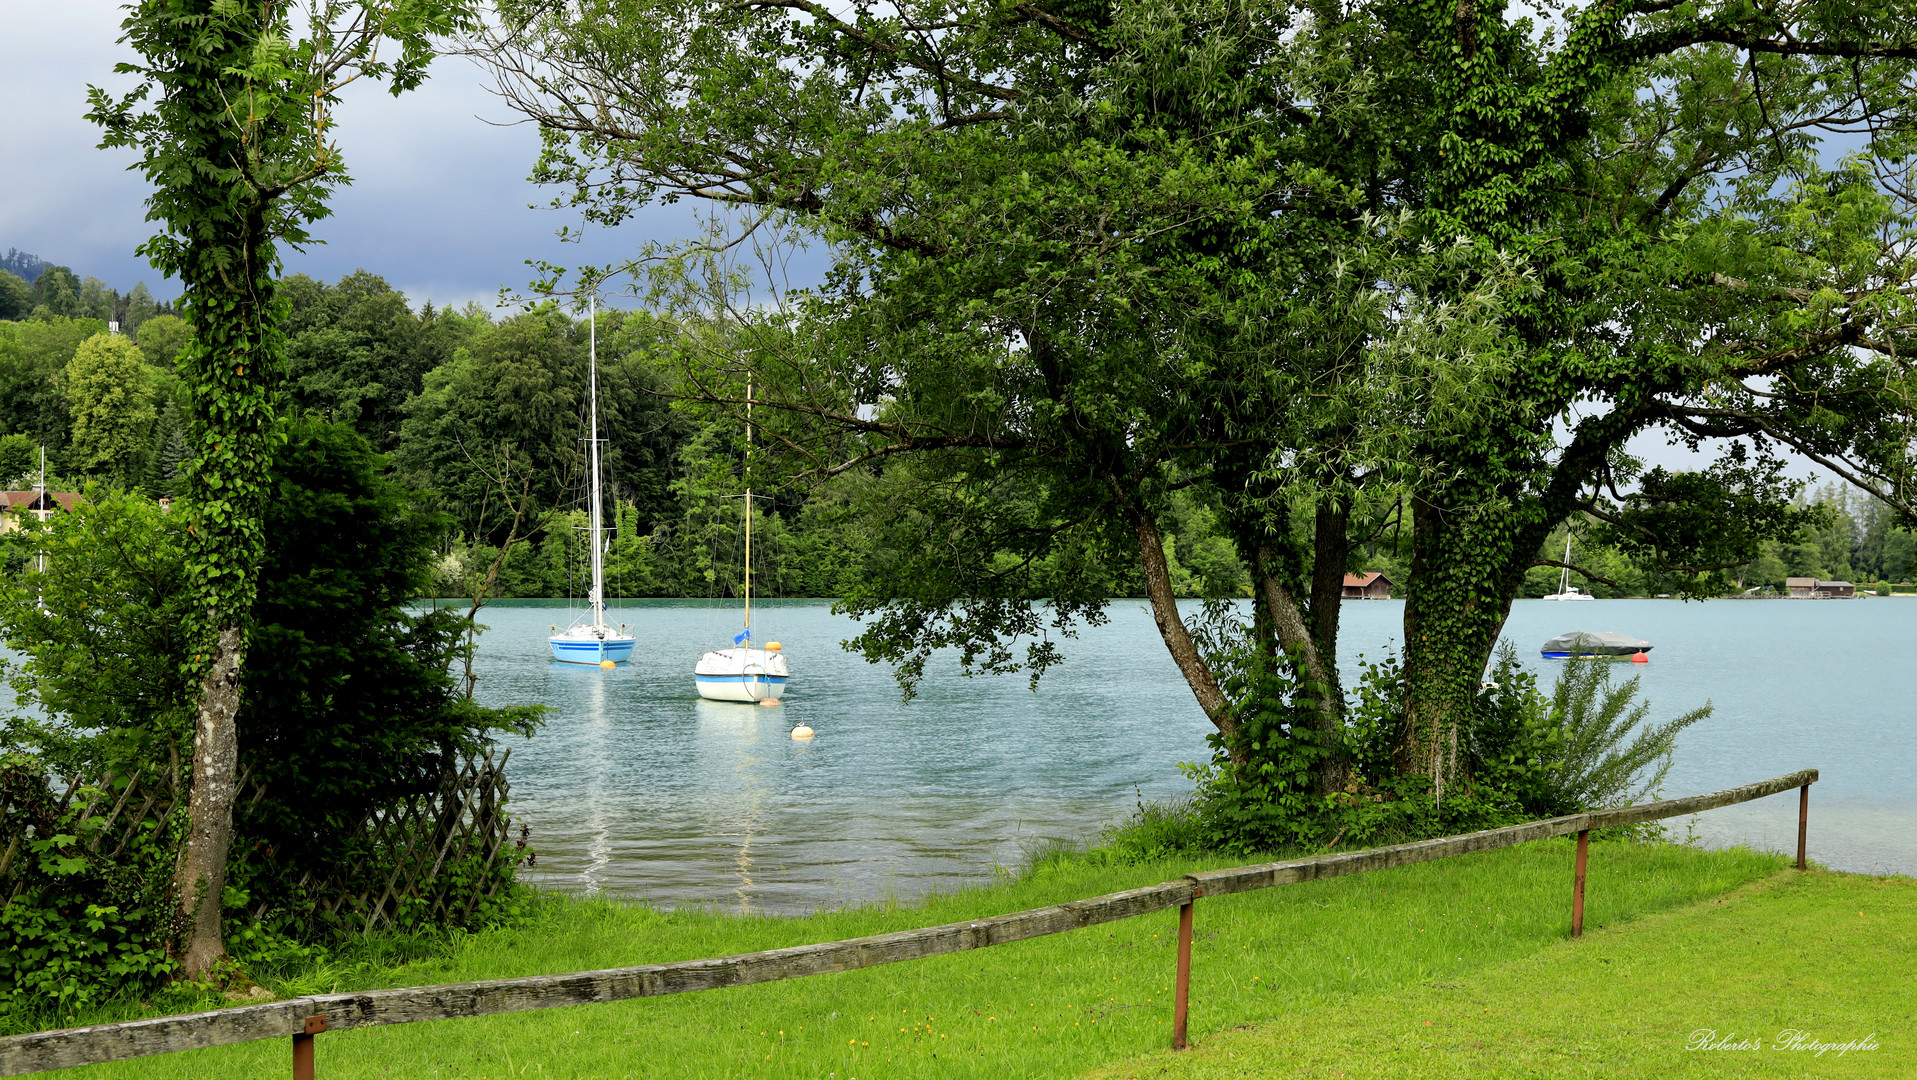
point(1787, 1039)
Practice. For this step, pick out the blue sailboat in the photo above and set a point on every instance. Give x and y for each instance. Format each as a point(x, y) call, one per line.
point(594, 642)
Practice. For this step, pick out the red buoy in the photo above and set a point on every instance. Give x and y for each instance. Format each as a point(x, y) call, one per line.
point(1640, 658)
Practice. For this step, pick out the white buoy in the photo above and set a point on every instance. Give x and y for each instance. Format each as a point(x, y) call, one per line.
point(802, 732)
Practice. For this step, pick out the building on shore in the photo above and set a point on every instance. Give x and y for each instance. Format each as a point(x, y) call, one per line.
point(15, 506)
point(1808, 588)
point(1367, 586)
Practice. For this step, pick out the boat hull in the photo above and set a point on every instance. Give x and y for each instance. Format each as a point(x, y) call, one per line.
point(748, 688)
point(594, 651)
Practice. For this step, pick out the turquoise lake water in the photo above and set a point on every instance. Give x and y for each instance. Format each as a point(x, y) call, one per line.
point(638, 788)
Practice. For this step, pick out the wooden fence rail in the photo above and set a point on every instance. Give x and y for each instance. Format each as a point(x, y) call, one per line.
point(304, 1017)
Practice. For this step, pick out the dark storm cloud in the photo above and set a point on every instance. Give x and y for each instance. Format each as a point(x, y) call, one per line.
point(438, 204)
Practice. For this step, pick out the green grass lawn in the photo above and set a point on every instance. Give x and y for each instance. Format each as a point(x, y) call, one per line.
point(1827, 956)
point(1054, 1006)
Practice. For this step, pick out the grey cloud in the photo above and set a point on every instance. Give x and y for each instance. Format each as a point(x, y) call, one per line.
point(438, 203)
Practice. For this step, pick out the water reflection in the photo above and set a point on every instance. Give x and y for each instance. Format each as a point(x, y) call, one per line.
point(637, 787)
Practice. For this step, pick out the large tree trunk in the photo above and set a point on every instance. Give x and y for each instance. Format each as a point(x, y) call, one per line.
point(199, 880)
point(1171, 626)
point(1455, 607)
point(1331, 549)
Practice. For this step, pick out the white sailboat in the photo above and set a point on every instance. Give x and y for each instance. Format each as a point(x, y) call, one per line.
point(593, 642)
point(1566, 591)
point(743, 673)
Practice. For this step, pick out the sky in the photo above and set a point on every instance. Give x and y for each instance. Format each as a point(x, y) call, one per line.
point(439, 204)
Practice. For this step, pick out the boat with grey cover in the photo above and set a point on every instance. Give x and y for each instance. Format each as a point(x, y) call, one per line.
point(1599, 644)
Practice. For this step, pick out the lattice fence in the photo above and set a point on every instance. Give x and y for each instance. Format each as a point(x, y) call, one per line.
point(435, 857)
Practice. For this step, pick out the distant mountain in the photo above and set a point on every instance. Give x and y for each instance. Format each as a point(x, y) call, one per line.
point(19, 262)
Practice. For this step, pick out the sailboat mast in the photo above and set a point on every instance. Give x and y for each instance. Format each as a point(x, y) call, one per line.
point(748, 515)
point(592, 379)
point(1564, 578)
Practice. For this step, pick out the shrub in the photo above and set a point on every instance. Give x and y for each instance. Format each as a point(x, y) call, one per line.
point(1586, 746)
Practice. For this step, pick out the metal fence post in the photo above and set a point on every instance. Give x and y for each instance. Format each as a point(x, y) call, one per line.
point(1803, 819)
point(1181, 993)
point(303, 1047)
point(1577, 884)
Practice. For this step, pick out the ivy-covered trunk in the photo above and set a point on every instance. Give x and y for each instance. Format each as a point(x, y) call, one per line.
point(1460, 592)
point(229, 375)
point(233, 117)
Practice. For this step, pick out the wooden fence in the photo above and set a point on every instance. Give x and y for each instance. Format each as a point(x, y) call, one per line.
point(399, 851)
point(303, 1018)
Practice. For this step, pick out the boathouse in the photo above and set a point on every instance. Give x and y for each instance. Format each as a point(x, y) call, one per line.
point(1809, 588)
point(1368, 586)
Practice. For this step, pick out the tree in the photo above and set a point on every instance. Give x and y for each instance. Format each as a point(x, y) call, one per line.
point(233, 118)
point(33, 365)
point(351, 702)
point(503, 414)
point(1340, 265)
point(164, 339)
point(139, 308)
point(16, 297)
point(58, 290)
point(357, 354)
point(97, 301)
point(110, 399)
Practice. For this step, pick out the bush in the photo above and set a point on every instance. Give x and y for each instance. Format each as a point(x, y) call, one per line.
point(83, 924)
point(349, 705)
point(1586, 746)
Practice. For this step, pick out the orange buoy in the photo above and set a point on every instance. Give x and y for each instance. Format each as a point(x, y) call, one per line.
point(1640, 658)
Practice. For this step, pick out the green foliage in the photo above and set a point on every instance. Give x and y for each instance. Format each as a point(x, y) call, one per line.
point(19, 459)
point(110, 400)
point(33, 363)
point(356, 353)
point(1528, 756)
point(16, 297)
point(102, 634)
point(58, 291)
point(350, 699)
point(503, 416)
point(1595, 766)
point(164, 339)
point(83, 926)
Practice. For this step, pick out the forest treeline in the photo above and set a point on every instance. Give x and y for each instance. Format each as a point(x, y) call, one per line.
point(482, 414)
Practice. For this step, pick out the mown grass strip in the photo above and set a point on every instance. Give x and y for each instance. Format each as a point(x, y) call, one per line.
point(1047, 1007)
point(1769, 981)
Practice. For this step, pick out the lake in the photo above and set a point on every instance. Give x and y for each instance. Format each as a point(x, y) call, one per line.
point(637, 788)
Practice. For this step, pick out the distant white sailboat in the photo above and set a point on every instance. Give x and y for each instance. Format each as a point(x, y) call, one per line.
point(1566, 591)
point(744, 673)
point(593, 642)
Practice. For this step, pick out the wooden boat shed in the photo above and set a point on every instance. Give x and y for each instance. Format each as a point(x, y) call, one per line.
point(1367, 586)
point(1808, 588)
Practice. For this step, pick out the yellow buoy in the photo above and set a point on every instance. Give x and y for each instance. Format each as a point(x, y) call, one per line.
point(607, 664)
point(773, 646)
point(802, 732)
